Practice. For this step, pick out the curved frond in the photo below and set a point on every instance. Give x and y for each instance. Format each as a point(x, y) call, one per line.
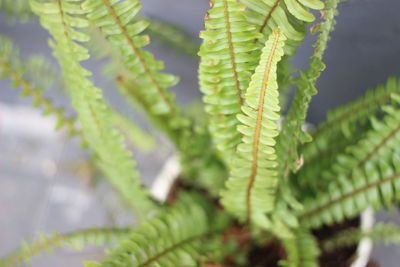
point(367, 174)
point(116, 20)
point(345, 121)
point(229, 55)
point(251, 187)
point(11, 67)
point(174, 238)
point(63, 19)
point(77, 239)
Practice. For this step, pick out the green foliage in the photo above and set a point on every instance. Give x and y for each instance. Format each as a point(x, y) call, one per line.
point(365, 175)
point(266, 170)
point(63, 19)
point(344, 123)
point(288, 15)
point(177, 237)
point(17, 9)
point(302, 251)
point(228, 57)
point(251, 188)
point(116, 21)
point(25, 77)
point(387, 233)
point(77, 239)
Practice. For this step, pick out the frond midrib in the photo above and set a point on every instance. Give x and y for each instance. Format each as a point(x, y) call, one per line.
point(256, 139)
point(349, 195)
point(172, 248)
point(138, 54)
point(232, 53)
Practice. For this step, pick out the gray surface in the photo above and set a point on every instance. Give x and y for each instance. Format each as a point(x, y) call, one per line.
point(362, 53)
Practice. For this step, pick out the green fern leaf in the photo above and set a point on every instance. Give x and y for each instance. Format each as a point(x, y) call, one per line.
point(63, 19)
point(288, 15)
point(77, 239)
point(174, 238)
point(366, 175)
point(11, 66)
point(251, 187)
point(115, 20)
point(228, 58)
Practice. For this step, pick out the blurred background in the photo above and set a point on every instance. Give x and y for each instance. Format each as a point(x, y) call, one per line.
point(46, 182)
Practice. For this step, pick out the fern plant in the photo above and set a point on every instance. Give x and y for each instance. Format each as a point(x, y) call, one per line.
point(252, 177)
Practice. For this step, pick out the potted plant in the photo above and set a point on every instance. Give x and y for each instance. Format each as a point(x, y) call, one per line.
point(254, 187)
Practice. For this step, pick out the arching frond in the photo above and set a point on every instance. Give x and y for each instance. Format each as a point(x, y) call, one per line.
point(77, 240)
point(345, 121)
point(292, 133)
point(175, 238)
point(367, 174)
point(229, 55)
point(116, 21)
point(11, 67)
point(251, 187)
point(63, 19)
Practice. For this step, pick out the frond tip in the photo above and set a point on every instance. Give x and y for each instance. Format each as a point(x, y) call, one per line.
point(251, 187)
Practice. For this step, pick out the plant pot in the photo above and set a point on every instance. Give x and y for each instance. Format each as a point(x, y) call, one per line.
point(165, 180)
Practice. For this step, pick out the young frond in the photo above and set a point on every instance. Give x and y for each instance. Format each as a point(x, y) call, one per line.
point(288, 15)
point(366, 175)
point(63, 19)
point(77, 240)
point(229, 55)
point(177, 237)
point(21, 76)
point(250, 190)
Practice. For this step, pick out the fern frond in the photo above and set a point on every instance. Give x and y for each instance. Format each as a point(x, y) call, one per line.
point(302, 250)
point(378, 142)
point(345, 121)
point(75, 240)
point(288, 15)
point(251, 187)
point(228, 58)
point(292, 133)
point(63, 19)
point(174, 238)
point(367, 174)
point(115, 20)
point(12, 68)
point(387, 233)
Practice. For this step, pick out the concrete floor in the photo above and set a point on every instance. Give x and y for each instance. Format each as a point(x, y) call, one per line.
point(39, 189)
